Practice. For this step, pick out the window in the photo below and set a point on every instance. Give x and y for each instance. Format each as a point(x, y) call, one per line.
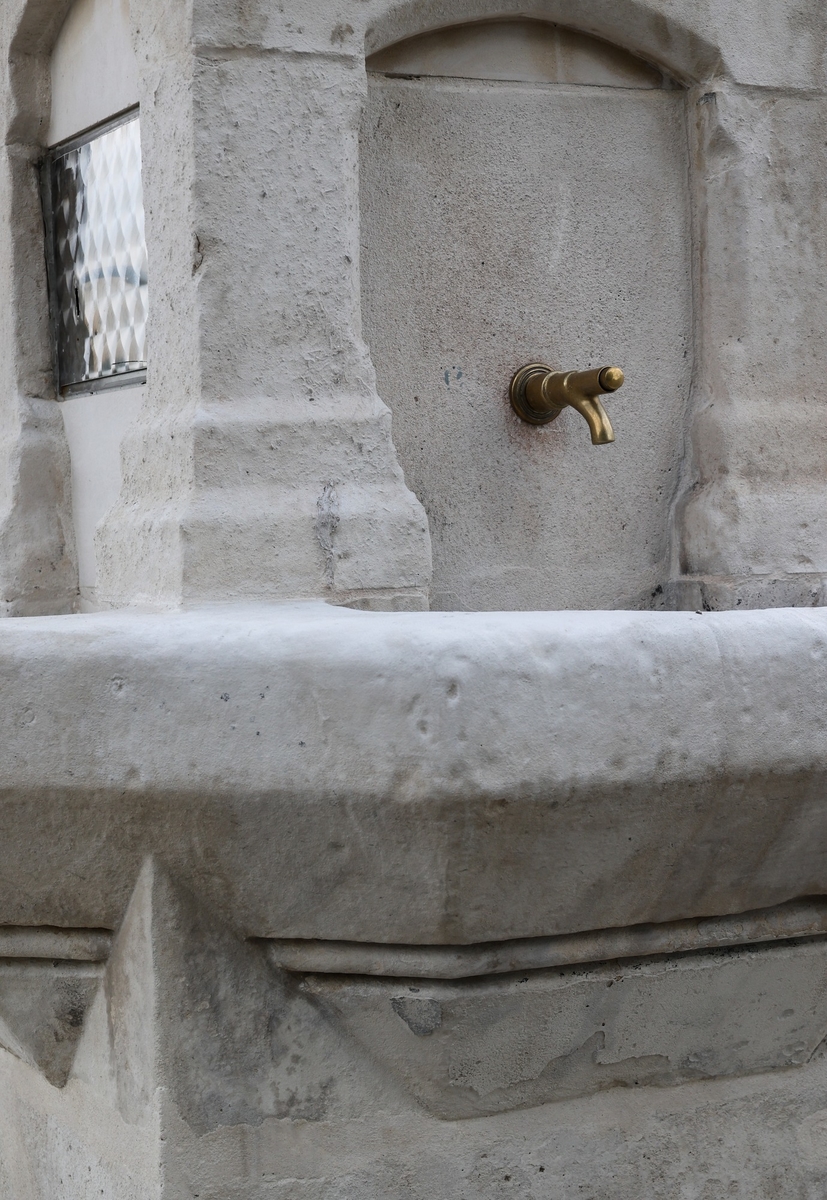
point(96, 252)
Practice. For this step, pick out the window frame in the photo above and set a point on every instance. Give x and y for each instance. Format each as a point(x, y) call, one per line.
point(121, 379)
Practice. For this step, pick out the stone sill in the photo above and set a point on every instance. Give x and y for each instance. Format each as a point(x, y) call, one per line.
point(316, 772)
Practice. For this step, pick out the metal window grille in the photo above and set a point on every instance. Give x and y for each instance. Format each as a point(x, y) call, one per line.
point(96, 252)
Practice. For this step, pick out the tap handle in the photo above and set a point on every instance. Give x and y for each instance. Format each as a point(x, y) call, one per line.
point(597, 382)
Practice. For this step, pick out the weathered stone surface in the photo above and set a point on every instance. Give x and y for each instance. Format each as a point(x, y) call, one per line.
point(196, 1059)
point(42, 1010)
point(493, 235)
point(194, 1018)
point(262, 404)
point(315, 956)
point(473, 1047)
point(414, 777)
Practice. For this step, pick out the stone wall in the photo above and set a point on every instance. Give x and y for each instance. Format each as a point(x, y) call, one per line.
point(329, 904)
point(262, 415)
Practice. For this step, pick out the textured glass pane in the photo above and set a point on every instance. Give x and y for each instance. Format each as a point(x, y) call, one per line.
point(100, 257)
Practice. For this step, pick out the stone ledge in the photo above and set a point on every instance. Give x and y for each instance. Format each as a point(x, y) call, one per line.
point(423, 778)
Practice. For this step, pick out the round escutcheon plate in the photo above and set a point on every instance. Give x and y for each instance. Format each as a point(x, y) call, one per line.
point(519, 400)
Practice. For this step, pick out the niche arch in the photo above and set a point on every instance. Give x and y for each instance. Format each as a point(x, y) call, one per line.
point(517, 50)
point(640, 27)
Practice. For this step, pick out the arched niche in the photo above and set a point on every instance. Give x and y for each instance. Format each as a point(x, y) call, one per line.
point(93, 68)
point(524, 197)
point(516, 50)
point(656, 33)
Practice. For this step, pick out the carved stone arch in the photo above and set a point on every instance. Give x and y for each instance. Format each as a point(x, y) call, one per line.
point(637, 26)
point(518, 50)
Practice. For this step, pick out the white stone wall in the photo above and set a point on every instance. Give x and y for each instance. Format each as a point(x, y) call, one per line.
point(262, 415)
point(180, 790)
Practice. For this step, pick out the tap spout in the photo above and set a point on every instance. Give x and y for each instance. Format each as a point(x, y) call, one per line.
point(539, 395)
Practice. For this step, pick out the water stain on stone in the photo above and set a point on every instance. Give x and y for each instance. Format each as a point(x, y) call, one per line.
point(421, 1016)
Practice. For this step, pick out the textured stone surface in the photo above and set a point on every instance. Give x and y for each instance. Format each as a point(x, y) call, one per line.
point(504, 224)
point(262, 406)
point(414, 777)
point(261, 401)
point(485, 1046)
point(753, 507)
point(795, 919)
point(37, 560)
point(42, 1009)
point(202, 1072)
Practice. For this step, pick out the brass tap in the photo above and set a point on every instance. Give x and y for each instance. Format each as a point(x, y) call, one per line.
point(539, 394)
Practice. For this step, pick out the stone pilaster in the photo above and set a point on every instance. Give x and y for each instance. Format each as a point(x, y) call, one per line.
point(262, 466)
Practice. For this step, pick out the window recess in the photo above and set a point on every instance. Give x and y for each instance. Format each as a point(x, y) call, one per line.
point(96, 256)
